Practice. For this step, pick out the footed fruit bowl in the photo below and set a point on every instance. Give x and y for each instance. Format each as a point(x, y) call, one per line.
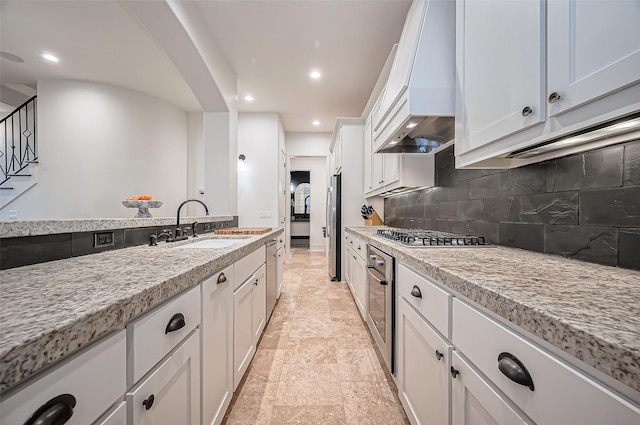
point(142, 206)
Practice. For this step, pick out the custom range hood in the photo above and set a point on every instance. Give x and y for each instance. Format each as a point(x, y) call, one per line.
point(416, 112)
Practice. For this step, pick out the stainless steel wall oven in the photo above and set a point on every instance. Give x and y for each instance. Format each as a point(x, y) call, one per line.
point(381, 318)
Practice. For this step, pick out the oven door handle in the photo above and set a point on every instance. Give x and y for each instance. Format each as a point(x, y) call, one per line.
point(373, 272)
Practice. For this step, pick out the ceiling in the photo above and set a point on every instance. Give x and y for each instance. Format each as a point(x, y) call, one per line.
point(271, 46)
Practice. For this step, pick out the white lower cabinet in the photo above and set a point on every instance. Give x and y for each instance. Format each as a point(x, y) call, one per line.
point(361, 285)
point(249, 317)
point(171, 393)
point(117, 416)
point(217, 346)
point(82, 387)
point(422, 369)
point(475, 402)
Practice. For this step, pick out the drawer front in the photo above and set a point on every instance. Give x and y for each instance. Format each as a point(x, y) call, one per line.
point(95, 377)
point(359, 248)
point(117, 416)
point(430, 300)
point(171, 394)
point(246, 266)
point(561, 394)
point(151, 338)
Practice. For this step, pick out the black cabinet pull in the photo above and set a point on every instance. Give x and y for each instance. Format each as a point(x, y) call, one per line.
point(554, 97)
point(384, 283)
point(513, 369)
point(439, 355)
point(148, 402)
point(416, 292)
point(222, 278)
point(176, 322)
point(526, 111)
point(256, 282)
point(56, 411)
point(454, 372)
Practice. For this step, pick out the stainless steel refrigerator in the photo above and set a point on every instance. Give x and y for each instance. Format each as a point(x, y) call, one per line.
point(333, 227)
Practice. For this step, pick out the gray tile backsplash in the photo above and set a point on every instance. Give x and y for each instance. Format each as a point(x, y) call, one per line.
point(585, 206)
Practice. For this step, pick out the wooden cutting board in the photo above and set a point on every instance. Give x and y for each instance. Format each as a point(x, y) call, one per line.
point(243, 231)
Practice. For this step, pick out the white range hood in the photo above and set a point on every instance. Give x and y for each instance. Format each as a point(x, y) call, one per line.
point(416, 114)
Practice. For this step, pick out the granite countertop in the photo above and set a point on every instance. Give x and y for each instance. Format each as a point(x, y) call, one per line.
point(51, 310)
point(18, 228)
point(589, 311)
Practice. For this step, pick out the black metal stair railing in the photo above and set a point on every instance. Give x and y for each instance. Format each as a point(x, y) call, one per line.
point(19, 147)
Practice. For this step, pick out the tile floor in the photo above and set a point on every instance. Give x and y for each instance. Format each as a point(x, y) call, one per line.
point(315, 363)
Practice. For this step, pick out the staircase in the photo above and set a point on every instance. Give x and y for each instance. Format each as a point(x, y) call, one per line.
point(18, 152)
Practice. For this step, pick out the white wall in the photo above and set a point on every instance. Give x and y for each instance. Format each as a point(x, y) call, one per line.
point(99, 144)
point(258, 140)
point(317, 165)
point(308, 144)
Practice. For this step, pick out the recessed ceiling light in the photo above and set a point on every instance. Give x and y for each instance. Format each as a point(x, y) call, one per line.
point(248, 98)
point(315, 75)
point(412, 124)
point(11, 57)
point(316, 122)
point(49, 57)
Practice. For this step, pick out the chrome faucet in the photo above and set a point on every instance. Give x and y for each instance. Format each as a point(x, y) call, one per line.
point(178, 230)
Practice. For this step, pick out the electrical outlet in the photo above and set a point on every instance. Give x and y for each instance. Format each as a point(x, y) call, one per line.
point(265, 214)
point(103, 239)
point(13, 214)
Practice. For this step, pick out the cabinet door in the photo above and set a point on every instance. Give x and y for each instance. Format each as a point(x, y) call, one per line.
point(422, 374)
point(390, 168)
point(259, 303)
point(217, 347)
point(279, 271)
point(377, 165)
point(359, 273)
point(594, 49)
point(338, 152)
point(171, 394)
point(501, 67)
point(348, 255)
point(243, 340)
point(475, 402)
point(368, 141)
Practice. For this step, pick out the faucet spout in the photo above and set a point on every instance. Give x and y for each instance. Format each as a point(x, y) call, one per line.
point(206, 210)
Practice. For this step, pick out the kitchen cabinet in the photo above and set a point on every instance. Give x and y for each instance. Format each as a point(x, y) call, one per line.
point(217, 345)
point(171, 393)
point(249, 318)
point(368, 156)
point(534, 70)
point(280, 255)
point(356, 273)
point(547, 390)
point(336, 153)
point(422, 375)
point(85, 385)
point(475, 402)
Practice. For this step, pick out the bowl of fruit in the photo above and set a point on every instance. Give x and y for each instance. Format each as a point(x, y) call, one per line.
point(142, 203)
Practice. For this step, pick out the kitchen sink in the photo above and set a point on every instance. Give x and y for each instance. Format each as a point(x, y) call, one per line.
point(212, 243)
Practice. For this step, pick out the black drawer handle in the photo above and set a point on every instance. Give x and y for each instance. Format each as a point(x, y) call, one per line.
point(384, 283)
point(416, 292)
point(56, 411)
point(439, 355)
point(454, 372)
point(222, 278)
point(176, 322)
point(148, 402)
point(513, 369)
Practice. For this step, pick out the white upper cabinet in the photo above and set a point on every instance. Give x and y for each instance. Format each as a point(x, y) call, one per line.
point(530, 72)
point(594, 49)
point(500, 76)
point(367, 157)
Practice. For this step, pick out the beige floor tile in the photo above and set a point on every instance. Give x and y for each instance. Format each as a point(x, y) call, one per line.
point(266, 365)
point(253, 405)
point(316, 350)
point(358, 365)
point(371, 403)
point(309, 385)
point(311, 327)
point(308, 415)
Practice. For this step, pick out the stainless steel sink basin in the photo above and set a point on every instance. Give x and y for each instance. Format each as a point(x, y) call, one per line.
point(212, 243)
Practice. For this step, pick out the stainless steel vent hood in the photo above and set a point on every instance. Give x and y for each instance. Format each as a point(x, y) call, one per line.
point(418, 106)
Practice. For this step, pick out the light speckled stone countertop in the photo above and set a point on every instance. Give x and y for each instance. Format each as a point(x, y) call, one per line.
point(589, 311)
point(50, 310)
point(18, 228)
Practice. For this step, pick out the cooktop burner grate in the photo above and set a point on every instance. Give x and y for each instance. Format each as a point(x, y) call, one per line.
point(430, 238)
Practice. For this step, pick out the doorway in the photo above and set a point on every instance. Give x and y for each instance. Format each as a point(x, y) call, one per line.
point(300, 209)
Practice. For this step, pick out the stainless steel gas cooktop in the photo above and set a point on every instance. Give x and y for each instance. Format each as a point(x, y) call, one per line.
point(419, 238)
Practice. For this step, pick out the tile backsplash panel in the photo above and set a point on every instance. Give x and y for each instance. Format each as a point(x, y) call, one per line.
point(585, 206)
